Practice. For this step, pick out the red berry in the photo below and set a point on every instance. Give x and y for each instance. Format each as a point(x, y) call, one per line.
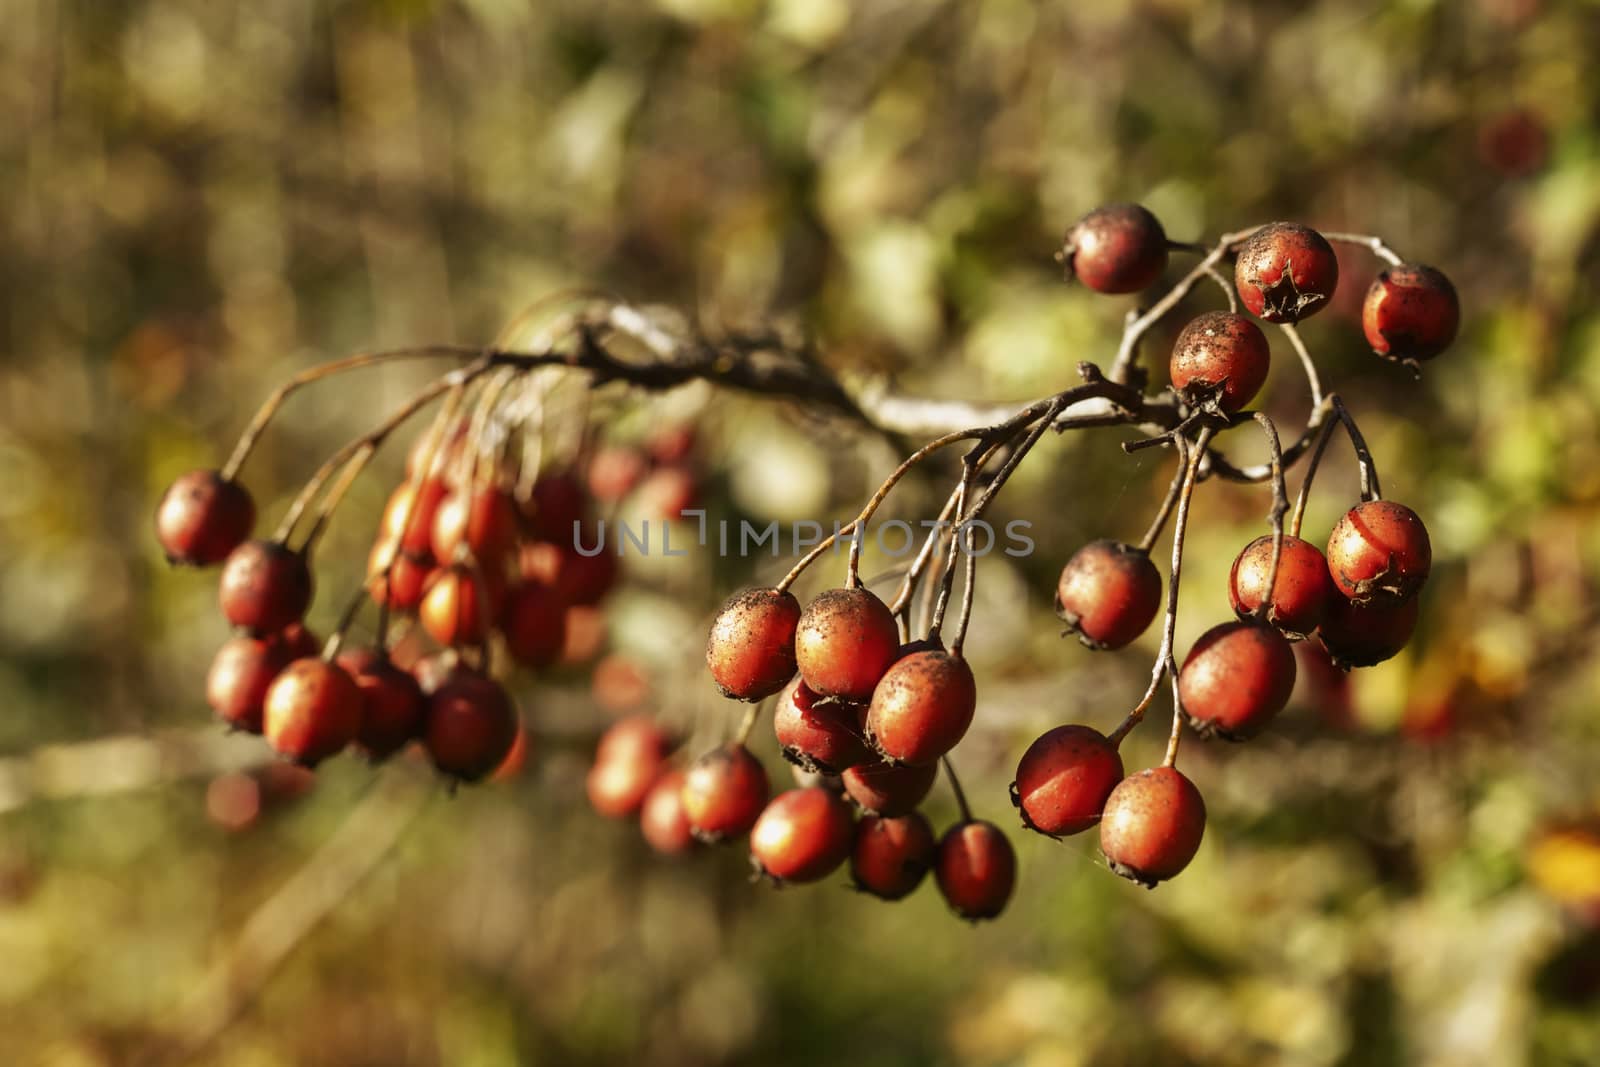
point(202, 517)
point(1108, 594)
point(1300, 595)
point(816, 734)
point(409, 516)
point(1119, 248)
point(471, 725)
point(312, 711)
point(671, 444)
point(1286, 272)
point(1379, 550)
point(892, 856)
point(555, 506)
point(265, 586)
point(668, 492)
point(1411, 312)
point(392, 702)
point(844, 643)
point(634, 737)
point(1152, 826)
point(724, 792)
point(407, 575)
point(1221, 355)
point(241, 674)
point(460, 605)
point(1064, 778)
point(1361, 635)
point(802, 836)
point(976, 870)
point(662, 819)
point(627, 763)
point(301, 641)
point(751, 648)
point(615, 471)
point(888, 789)
point(534, 622)
point(922, 707)
point(484, 520)
point(1237, 677)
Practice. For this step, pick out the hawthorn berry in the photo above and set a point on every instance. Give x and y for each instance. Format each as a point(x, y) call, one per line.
point(397, 577)
point(845, 641)
point(751, 647)
point(203, 517)
point(888, 789)
point(241, 673)
point(392, 702)
point(460, 605)
point(1285, 272)
point(1379, 550)
point(1364, 634)
point(1223, 356)
point(614, 472)
point(312, 711)
point(484, 520)
point(534, 624)
point(892, 856)
point(556, 505)
point(471, 725)
point(265, 586)
point(1300, 595)
point(1119, 248)
point(633, 736)
point(1237, 677)
point(409, 515)
point(301, 641)
point(1411, 313)
point(662, 819)
point(976, 869)
point(724, 792)
point(1064, 778)
point(1108, 594)
point(627, 763)
point(803, 835)
point(922, 707)
point(816, 734)
point(1153, 824)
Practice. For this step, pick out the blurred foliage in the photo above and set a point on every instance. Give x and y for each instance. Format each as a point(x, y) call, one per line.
point(205, 196)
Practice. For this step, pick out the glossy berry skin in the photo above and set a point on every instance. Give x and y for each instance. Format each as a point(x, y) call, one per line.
point(818, 735)
point(804, 835)
point(408, 517)
point(1379, 550)
point(408, 573)
point(976, 869)
point(482, 521)
point(312, 711)
point(661, 817)
point(1236, 679)
point(534, 624)
point(724, 792)
point(751, 649)
point(1411, 313)
point(459, 605)
point(1221, 355)
point(241, 674)
point(471, 725)
point(1108, 594)
point(892, 856)
point(1153, 824)
point(1285, 272)
point(1064, 778)
point(922, 707)
point(628, 761)
point(1119, 248)
point(844, 643)
point(265, 586)
point(202, 517)
point(1301, 594)
point(392, 703)
point(888, 789)
point(1362, 635)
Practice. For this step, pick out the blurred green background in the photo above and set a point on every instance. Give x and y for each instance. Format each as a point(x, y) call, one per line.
point(203, 197)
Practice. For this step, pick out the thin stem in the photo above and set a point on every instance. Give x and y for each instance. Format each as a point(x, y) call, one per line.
point(955, 787)
point(969, 581)
point(1148, 541)
point(902, 601)
point(1305, 482)
point(948, 571)
point(1312, 378)
point(815, 554)
point(1373, 244)
point(752, 713)
point(1226, 286)
point(853, 567)
point(1280, 504)
point(1370, 490)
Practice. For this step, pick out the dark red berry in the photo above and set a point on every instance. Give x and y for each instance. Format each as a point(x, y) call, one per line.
point(816, 734)
point(662, 819)
point(301, 641)
point(202, 517)
point(312, 711)
point(1119, 248)
point(555, 507)
point(1411, 312)
point(241, 673)
point(844, 643)
point(392, 703)
point(534, 623)
point(976, 869)
point(471, 725)
point(265, 586)
point(1379, 550)
point(1153, 824)
point(888, 789)
point(724, 792)
point(1236, 679)
point(409, 515)
point(1064, 778)
point(1286, 272)
point(802, 836)
point(1362, 635)
point(483, 520)
point(751, 650)
point(1300, 595)
point(892, 856)
point(1108, 594)
point(922, 707)
point(629, 759)
point(397, 577)
point(577, 578)
point(1220, 356)
point(460, 605)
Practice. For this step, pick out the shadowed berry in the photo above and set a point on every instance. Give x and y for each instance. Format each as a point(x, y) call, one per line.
point(1119, 248)
point(241, 674)
point(392, 702)
point(976, 869)
point(1411, 312)
point(816, 734)
point(265, 586)
point(1108, 594)
point(1362, 635)
point(892, 856)
point(202, 517)
point(534, 624)
point(471, 725)
point(888, 789)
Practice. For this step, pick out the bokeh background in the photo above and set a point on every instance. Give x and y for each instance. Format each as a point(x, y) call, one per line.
point(203, 197)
